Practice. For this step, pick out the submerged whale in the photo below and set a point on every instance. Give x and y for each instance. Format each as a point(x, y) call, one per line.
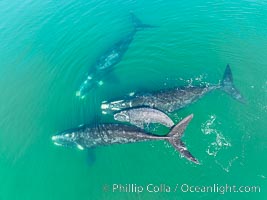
point(173, 99)
point(107, 134)
point(141, 116)
point(112, 56)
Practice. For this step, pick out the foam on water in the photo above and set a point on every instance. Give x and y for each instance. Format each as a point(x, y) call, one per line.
point(220, 142)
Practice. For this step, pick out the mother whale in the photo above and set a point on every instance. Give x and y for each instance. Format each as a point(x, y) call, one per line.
point(176, 98)
point(107, 134)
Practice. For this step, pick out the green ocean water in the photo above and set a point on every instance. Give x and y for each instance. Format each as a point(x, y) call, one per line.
point(46, 49)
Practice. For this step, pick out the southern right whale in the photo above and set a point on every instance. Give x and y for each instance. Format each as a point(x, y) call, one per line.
point(112, 56)
point(106, 134)
point(173, 99)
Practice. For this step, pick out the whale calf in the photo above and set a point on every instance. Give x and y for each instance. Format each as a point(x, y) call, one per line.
point(112, 56)
point(141, 116)
point(173, 99)
point(107, 134)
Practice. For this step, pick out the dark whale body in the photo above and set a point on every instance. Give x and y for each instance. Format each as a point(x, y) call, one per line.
point(173, 99)
point(108, 134)
point(112, 56)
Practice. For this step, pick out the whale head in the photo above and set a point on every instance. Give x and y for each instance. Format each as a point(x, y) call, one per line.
point(85, 87)
point(68, 139)
point(122, 116)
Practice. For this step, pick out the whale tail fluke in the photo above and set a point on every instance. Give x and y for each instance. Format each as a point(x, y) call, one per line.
point(138, 24)
point(174, 137)
point(227, 85)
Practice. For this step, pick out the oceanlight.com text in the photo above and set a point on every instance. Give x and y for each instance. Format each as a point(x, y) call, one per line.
point(181, 188)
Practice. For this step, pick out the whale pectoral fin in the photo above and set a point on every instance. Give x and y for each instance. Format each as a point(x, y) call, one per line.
point(91, 158)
